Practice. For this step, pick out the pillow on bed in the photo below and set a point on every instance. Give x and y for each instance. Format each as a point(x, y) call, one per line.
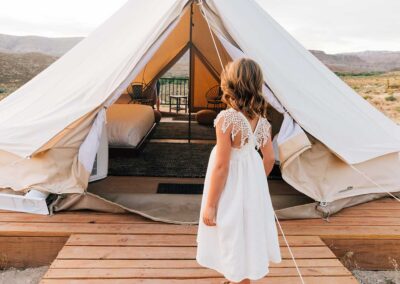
point(128, 124)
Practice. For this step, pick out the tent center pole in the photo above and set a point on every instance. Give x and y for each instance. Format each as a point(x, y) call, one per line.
point(191, 74)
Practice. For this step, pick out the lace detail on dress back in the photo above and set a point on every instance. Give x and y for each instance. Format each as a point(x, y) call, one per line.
point(262, 133)
point(240, 125)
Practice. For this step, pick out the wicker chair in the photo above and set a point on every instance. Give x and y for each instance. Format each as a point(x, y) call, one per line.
point(140, 94)
point(214, 96)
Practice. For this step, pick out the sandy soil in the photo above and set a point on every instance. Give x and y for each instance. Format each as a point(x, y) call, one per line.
point(26, 276)
point(377, 277)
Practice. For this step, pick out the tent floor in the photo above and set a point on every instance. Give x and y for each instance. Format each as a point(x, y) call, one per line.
point(282, 194)
point(90, 247)
point(132, 184)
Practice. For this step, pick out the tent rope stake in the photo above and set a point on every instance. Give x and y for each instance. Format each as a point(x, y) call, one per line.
point(276, 218)
point(290, 250)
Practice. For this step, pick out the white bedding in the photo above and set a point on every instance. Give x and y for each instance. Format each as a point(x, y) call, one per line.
point(127, 124)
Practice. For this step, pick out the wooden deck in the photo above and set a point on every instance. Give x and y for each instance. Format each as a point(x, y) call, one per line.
point(92, 247)
point(170, 259)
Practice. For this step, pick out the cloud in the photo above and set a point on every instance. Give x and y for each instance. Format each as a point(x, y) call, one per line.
point(329, 25)
point(55, 17)
point(339, 25)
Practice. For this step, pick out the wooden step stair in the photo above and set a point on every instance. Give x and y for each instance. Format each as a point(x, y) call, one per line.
point(156, 258)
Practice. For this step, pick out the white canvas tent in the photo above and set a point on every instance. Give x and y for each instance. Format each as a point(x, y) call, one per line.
point(330, 140)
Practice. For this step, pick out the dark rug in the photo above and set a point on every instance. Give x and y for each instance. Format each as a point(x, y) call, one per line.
point(162, 160)
point(184, 118)
point(179, 116)
point(179, 130)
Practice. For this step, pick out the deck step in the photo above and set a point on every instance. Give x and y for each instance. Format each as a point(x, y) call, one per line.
point(147, 258)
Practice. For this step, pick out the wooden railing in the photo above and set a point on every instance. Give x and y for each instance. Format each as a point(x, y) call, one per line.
point(173, 86)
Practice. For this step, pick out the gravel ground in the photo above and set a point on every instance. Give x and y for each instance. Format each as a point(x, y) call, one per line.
point(33, 276)
point(377, 277)
point(25, 276)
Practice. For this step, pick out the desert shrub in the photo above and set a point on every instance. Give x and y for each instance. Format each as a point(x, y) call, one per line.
point(394, 86)
point(2, 90)
point(390, 99)
point(362, 74)
point(367, 97)
point(398, 109)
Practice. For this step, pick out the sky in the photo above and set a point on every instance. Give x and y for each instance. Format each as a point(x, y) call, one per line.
point(331, 25)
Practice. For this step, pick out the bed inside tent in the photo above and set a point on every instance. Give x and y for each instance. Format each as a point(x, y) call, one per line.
point(312, 179)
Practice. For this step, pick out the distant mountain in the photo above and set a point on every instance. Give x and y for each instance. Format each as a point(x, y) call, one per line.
point(37, 44)
point(357, 62)
point(354, 62)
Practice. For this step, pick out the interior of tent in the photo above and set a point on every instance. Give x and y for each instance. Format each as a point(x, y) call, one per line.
point(138, 182)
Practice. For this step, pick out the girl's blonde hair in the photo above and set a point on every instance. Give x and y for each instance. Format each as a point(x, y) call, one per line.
point(241, 83)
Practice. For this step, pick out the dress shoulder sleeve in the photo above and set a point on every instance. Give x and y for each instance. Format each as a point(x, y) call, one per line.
point(228, 118)
point(264, 132)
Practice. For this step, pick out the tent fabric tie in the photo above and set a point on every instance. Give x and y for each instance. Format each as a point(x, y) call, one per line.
point(276, 218)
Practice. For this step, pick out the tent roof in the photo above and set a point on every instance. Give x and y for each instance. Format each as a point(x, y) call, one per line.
point(88, 75)
point(315, 97)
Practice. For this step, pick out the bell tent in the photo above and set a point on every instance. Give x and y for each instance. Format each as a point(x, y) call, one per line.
point(333, 146)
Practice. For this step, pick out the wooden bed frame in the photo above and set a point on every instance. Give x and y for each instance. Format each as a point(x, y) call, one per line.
point(139, 147)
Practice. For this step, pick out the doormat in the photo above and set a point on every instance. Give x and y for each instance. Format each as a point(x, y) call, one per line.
point(180, 188)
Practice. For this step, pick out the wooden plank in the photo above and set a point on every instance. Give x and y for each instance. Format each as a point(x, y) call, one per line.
point(355, 216)
point(74, 217)
point(376, 205)
point(130, 273)
point(369, 254)
point(24, 252)
point(168, 240)
point(387, 199)
point(337, 231)
point(55, 229)
point(123, 273)
point(356, 212)
point(394, 220)
point(103, 252)
point(267, 280)
point(176, 263)
point(52, 229)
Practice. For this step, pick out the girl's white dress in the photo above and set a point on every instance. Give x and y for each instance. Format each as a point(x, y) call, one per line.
point(245, 238)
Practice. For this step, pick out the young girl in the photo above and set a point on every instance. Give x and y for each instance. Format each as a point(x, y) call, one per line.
point(237, 234)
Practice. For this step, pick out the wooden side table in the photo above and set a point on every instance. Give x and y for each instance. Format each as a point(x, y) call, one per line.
point(177, 105)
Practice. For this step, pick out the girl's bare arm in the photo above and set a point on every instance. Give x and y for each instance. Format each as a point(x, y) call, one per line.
point(268, 156)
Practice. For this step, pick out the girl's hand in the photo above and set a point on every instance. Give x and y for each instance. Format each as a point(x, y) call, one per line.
point(209, 216)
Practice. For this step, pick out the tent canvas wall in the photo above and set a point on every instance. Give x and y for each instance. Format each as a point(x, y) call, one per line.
point(333, 145)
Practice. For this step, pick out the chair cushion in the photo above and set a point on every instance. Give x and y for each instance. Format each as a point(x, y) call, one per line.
point(206, 116)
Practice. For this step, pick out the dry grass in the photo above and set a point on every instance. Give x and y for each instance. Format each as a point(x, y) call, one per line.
point(382, 91)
